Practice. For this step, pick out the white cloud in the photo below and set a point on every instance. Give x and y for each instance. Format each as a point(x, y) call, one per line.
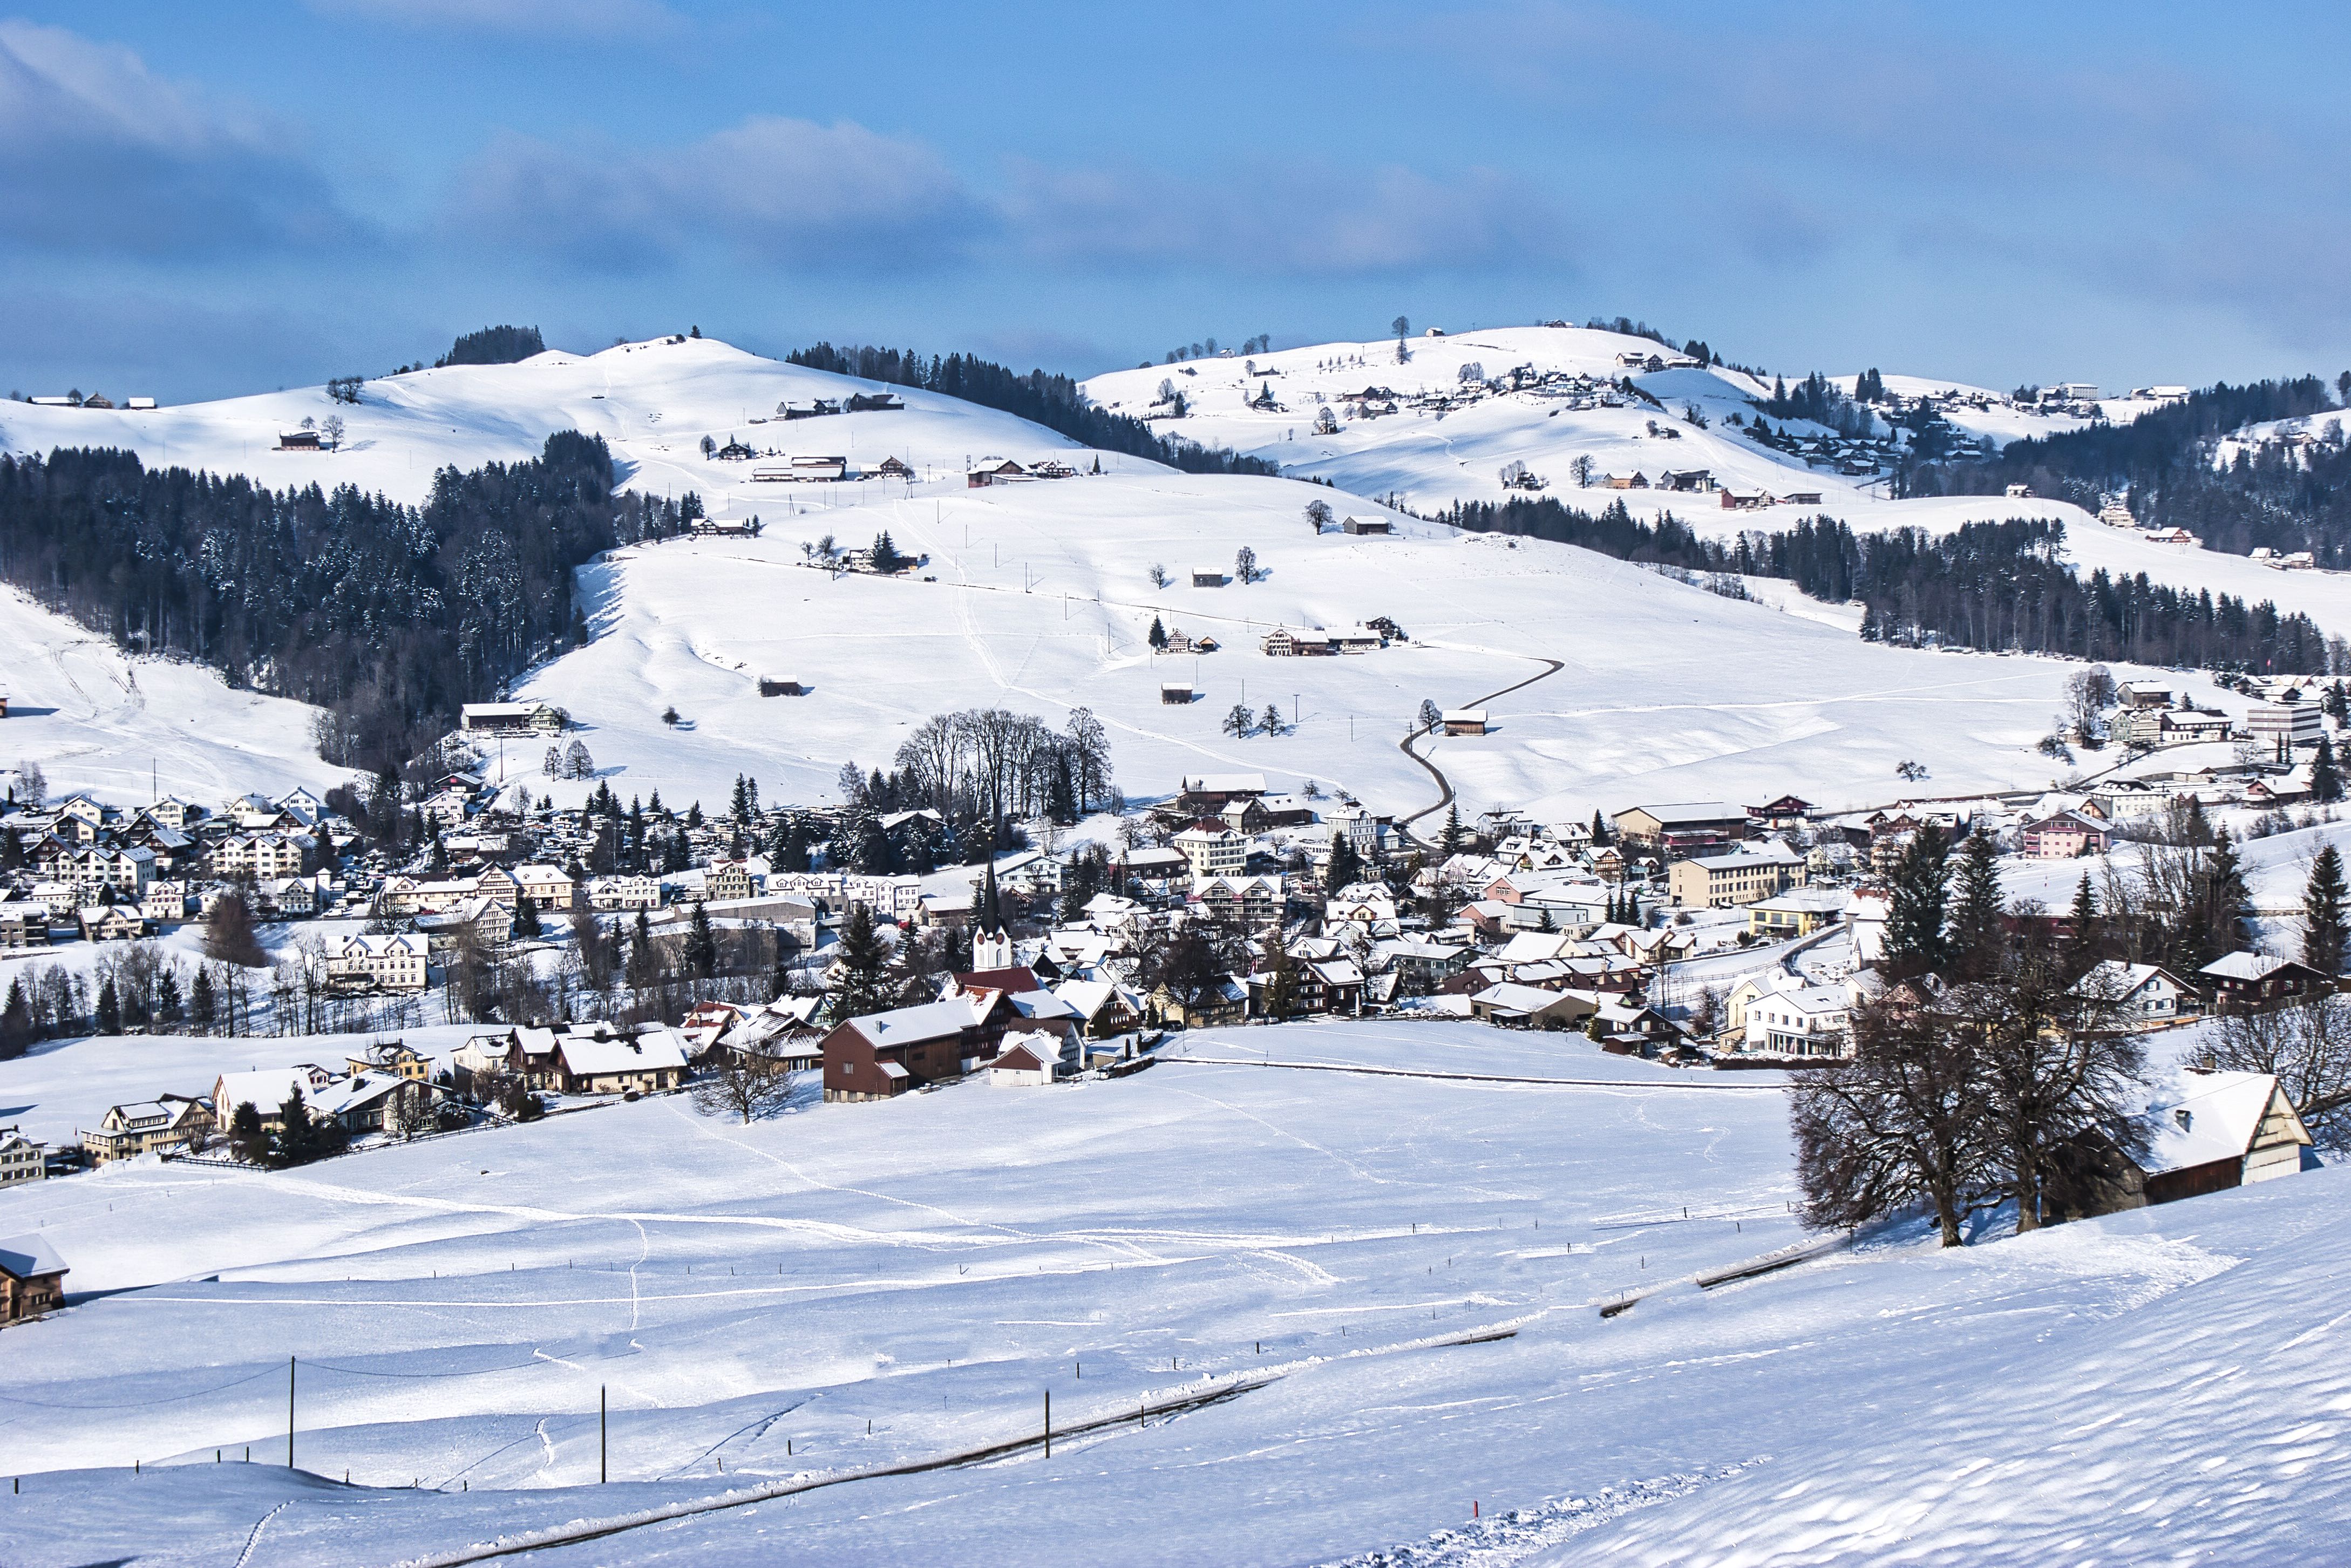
point(775, 191)
point(98, 154)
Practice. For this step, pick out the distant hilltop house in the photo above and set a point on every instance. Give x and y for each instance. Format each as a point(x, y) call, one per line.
point(875, 403)
point(298, 440)
point(2114, 514)
point(1360, 526)
point(510, 718)
point(32, 1279)
point(1463, 721)
point(994, 471)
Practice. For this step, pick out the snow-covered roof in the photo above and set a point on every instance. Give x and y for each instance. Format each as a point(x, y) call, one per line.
point(904, 1026)
point(588, 1056)
point(26, 1256)
point(2243, 966)
point(2212, 1116)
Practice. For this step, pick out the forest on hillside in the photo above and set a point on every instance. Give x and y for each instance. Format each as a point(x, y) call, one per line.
point(1991, 585)
point(388, 616)
point(1055, 401)
point(2165, 462)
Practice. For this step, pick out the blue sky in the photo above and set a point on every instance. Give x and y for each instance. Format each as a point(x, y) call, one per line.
point(197, 200)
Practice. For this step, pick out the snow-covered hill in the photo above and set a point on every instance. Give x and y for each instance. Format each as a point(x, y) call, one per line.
point(652, 402)
point(1428, 459)
point(1039, 597)
point(848, 1287)
point(94, 719)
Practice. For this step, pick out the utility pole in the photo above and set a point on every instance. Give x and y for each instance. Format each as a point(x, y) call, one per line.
point(289, 1412)
point(603, 1473)
point(1049, 1423)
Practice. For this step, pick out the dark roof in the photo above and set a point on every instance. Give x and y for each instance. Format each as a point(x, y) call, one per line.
point(1013, 980)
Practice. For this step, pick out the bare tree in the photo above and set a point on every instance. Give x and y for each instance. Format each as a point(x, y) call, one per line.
point(743, 1083)
point(2308, 1048)
point(1579, 470)
point(2088, 694)
point(1159, 578)
point(1902, 1122)
point(1245, 566)
point(1318, 513)
point(332, 429)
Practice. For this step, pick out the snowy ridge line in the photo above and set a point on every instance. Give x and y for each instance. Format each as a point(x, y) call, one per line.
point(1477, 1077)
point(1762, 1263)
point(595, 1530)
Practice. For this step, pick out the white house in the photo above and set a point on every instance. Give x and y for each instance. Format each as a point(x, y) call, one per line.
point(1806, 1021)
point(394, 962)
point(2145, 993)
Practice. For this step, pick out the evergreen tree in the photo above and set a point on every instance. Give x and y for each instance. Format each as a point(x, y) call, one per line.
point(2217, 926)
point(1158, 633)
point(739, 808)
point(1449, 840)
point(248, 1140)
point(2325, 777)
point(1915, 942)
point(1346, 865)
point(2325, 920)
point(2087, 937)
point(1599, 829)
point(201, 1004)
point(886, 557)
point(110, 1011)
point(526, 919)
point(167, 997)
point(1276, 988)
point(297, 1139)
point(15, 1021)
point(1976, 937)
point(863, 958)
point(701, 945)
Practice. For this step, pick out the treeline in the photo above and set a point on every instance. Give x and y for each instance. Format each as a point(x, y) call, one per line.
point(390, 616)
point(1992, 585)
point(2163, 459)
point(1055, 401)
point(494, 346)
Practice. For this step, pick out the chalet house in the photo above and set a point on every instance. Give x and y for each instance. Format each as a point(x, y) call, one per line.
point(2068, 835)
point(891, 468)
point(392, 1058)
point(1227, 1003)
point(1027, 1060)
point(2214, 1132)
point(1700, 480)
point(126, 1132)
point(266, 1090)
point(111, 923)
point(1804, 1021)
point(32, 1279)
point(1511, 1006)
point(1247, 818)
point(1214, 850)
point(21, 1159)
point(883, 1054)
point(264, 857)
point(298, 440)
point(287, 898)
point(1296, 643)
point(596, 1062)
point(1332, 985)
point(1799, 911)
point(546, 885)
point(1787, 811)
point(1208, 577)
point(994, 471)
point(2145, 993)
point(126, 870)
point(23, 923)
point(1361, 527)
point(1685, 828)
point(1633, 481)
point(391, 964)
point(728, 880)
point(1206, 794)
point(606, 894)
point(1244, 901)
point(2244, 982)
point(1103, 1008)
point(1463, 721)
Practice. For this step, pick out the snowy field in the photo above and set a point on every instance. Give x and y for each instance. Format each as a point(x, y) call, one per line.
point(1043, 602)
point(122, 728)
point(752, 1298)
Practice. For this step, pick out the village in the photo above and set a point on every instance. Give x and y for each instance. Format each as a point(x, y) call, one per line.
point(757, 951)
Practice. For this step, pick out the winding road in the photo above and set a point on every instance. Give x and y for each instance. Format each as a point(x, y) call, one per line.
point(1445, 785)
